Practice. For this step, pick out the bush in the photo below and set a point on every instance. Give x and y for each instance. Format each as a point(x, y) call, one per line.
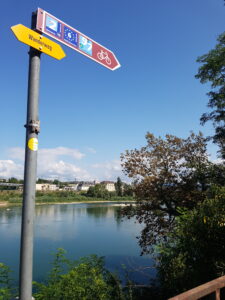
point(86, 279)
point(5, 283)
point(194, 251)
point(98, 191)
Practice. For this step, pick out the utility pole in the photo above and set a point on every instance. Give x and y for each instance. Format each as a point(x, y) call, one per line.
point(30, 173)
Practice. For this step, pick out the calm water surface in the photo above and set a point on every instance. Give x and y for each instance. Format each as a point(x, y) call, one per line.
point(81, 229)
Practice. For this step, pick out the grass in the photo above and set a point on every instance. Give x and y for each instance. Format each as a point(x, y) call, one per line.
point(15, 197)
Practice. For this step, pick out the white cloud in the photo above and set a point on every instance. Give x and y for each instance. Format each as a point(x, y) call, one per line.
point(60, 151)
point(50, 153)
point(16, 153)
point(217, 161)
point(114, 165)
point(61, 170)
point(9, 168)
point(61, 163)
point(91, 150)
point(109, 170)
point(52, 163)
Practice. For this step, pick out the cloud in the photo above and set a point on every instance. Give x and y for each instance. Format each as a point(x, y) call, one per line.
point(109, 170)
point(9, 168)
point(114, 165)
point(217, 161)
point(17, 153)
point(61, 163)
point(91, 150)
point(52, 163)
point(49, 153)
point(61, 170)
point(60, 151)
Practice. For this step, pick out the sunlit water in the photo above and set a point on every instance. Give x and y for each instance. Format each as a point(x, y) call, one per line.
point(81, 229)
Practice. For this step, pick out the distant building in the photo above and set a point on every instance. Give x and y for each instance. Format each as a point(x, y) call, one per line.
point(84, 185)
point(11, 186)
point(109, 185)
point(46, 187)
point(72, 187)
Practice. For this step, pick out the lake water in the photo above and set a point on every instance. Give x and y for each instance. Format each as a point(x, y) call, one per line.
point(81, 229)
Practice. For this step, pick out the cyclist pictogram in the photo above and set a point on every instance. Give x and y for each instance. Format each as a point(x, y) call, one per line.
point(104, 56)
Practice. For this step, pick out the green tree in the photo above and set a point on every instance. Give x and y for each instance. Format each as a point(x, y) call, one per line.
point(193, 254)
point(213, 71)
point(98, 191)
point(41, 180)
point(127, 190)
point(119, 187)
point(167, 173)
point(13, 180)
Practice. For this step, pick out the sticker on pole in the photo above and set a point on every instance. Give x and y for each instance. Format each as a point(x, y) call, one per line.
point(33, 144)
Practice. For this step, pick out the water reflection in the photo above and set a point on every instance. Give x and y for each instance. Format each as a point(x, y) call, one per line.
point(10, 214)
point(81, 229)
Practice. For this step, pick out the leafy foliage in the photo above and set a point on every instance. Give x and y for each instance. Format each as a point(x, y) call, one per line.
point(194, 252)
point(98, 191)
point(15, 180)
point(85, 279)
point(213, 71)
point(5, 282)
point(119, 187)
point(167, 173)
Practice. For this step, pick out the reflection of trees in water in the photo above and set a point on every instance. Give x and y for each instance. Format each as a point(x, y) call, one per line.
point(107, 211)
point(59, 212)
point(10, 214)
point(100, 211)
point(118, 218)
point(54, 211)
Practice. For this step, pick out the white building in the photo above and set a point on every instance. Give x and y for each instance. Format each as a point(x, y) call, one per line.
point(84, 185)
point(46, 187)
point(109, 185)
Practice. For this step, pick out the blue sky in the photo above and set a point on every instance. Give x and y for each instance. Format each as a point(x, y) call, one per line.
point(90, 115)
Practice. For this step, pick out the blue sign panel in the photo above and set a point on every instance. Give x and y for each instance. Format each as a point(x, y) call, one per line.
point(70, 36)
point(85, 45)
point(53, 26)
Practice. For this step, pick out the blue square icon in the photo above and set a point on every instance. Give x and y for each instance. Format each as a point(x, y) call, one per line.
point(85, 45)
point(53, 26)
point(70, 36)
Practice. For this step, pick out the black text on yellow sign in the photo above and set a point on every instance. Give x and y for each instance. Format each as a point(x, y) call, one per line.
point(37, 41)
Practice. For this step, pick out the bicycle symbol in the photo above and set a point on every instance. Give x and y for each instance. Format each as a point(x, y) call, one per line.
point(104, 56)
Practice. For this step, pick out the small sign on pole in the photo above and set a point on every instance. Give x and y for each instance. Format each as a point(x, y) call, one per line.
point(71, 37)
point(37, 41)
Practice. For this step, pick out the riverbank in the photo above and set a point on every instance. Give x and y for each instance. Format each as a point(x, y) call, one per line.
point(9, 198)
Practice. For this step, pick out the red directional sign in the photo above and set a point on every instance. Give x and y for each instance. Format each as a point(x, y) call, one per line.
point(50, 25)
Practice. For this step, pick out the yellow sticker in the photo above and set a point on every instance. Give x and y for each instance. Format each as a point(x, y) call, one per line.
point(33, 144)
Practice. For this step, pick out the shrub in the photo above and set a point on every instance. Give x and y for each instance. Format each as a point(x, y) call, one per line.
point(86, 279)
point(194, 251)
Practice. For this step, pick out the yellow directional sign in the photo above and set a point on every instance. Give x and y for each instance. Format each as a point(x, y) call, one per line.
point(37, 41)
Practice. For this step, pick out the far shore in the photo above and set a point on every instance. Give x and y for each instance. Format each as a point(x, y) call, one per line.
point(7, 204)
point(15, 198)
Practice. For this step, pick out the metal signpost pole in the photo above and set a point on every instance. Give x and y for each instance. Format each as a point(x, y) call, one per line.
point(30, 170)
